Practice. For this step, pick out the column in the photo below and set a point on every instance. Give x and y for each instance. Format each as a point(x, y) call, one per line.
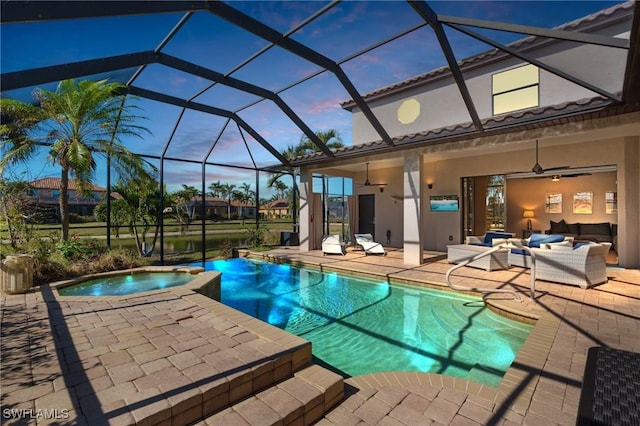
point(412, 206)
point(305, 209)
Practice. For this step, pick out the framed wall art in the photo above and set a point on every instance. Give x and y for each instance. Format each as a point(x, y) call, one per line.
point(444, 203)
point(553, 203)
point(611, 202)
point(583, 203)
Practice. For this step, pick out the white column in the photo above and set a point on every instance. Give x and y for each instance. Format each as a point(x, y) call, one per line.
point(412, 206)
point(305, 209)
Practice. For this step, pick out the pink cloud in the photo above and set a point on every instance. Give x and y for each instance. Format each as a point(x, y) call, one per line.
point(323, 106)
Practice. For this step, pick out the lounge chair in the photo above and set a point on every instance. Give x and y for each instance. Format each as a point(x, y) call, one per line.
point(331, 244)
point(366, 242)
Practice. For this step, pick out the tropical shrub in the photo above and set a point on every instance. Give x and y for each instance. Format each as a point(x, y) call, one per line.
point(80, 249)
point(225, 249)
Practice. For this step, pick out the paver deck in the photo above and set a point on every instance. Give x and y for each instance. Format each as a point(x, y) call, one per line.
point(147, 359)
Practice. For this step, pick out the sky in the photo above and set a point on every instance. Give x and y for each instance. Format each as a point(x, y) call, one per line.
point(315, 96)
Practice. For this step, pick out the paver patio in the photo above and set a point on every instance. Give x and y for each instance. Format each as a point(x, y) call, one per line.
point(175, 356)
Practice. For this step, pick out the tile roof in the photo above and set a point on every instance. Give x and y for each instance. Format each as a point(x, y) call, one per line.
point(54, 183)
point(598, 18)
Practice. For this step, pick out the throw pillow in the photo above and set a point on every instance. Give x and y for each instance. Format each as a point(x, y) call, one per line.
point(558, 227)
point(537, 239)
point(489, 236)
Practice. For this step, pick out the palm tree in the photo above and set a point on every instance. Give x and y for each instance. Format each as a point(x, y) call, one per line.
point(77, 123)
point(185, 199)
point(216, 189)
point(226, 191)
point(138, 205)
point(281, 189)
point(247, 193)
point(331, 138)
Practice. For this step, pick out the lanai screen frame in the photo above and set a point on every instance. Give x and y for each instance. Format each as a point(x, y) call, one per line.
point(29, 11)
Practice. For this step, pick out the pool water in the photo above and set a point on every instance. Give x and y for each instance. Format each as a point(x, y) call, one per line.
point(362, 326)
point(120, 285)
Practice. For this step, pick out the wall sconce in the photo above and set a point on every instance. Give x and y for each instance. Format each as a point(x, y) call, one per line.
point(381, 189)
point(528, 214)
point(430, 185)
point(555, 178)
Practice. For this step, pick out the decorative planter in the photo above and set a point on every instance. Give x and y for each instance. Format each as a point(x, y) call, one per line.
point(17, 274)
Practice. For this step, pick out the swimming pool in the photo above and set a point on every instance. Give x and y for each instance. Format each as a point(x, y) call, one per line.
point(362, 326)
point(119, 285)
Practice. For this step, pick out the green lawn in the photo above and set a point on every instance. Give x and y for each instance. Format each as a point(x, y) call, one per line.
point(99, 228)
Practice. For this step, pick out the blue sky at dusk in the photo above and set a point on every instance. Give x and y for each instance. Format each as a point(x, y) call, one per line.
point(344, 30)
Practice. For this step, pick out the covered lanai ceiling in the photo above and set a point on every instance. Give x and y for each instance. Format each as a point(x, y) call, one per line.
point(235, 83)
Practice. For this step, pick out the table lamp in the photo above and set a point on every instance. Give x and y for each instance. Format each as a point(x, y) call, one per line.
point(528, 214)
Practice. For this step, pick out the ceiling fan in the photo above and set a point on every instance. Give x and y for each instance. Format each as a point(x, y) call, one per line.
point(368, 183)
point(553, 173)
point(537, 168)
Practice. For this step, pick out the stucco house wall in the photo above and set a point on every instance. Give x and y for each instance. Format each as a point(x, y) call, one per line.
point(600, 66)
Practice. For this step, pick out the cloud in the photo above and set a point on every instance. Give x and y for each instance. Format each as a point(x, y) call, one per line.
point(324, 105)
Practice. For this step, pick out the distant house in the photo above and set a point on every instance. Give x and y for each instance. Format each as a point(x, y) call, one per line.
point(276, 209)
point(217, 208)
point(46, 195)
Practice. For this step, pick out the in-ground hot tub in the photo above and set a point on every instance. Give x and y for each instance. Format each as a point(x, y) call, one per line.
point(142, 280)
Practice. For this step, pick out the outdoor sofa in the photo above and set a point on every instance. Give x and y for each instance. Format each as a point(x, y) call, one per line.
point(603, 232)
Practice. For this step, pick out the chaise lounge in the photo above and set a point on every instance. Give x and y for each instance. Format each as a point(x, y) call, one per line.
point(331, 244)
point(366, 242)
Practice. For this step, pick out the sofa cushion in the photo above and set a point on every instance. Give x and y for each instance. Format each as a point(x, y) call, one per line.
point(565, 243)
point(559, 227)
point(595, 228)
point(489, 236)
point(574, 228)
point(520, 251)
point(599, 238)
point(537, 239)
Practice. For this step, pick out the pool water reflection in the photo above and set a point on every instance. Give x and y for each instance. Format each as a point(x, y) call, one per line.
point(362, 326)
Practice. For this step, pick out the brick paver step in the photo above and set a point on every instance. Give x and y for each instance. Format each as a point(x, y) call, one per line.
point(301, 400)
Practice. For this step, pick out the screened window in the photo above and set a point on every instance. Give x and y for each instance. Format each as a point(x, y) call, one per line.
point(515, 89)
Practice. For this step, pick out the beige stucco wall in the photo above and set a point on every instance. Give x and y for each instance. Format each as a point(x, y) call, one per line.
point(529, 194)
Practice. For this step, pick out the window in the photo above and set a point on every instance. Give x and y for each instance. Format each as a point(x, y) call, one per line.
point(515, 89)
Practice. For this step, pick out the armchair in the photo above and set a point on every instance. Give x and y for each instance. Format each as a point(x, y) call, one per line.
point(583, 265)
